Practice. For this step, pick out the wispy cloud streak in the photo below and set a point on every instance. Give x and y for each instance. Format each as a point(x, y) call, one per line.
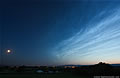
point(100, 38)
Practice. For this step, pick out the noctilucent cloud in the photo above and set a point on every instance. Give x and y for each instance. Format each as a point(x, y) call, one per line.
point(98, 41)
point(60, 32)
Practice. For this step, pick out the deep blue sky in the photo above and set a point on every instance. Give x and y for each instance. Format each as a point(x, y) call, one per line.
point(59, 32)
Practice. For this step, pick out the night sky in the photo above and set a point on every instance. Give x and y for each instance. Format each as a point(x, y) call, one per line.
point(59, 32)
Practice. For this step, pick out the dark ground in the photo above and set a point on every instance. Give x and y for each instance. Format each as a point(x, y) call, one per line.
point(40, 76)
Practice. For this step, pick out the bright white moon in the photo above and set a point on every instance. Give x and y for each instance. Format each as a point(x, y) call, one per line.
point(8, 51)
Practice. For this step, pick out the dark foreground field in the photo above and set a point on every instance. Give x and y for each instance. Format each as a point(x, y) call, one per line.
point(40, 76)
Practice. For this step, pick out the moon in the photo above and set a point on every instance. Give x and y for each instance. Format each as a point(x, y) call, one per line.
point(8, 51)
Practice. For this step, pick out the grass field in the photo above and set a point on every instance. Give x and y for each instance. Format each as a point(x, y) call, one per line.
point(40, 76)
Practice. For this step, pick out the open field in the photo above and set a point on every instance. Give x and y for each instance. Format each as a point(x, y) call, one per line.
point(40, 76)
